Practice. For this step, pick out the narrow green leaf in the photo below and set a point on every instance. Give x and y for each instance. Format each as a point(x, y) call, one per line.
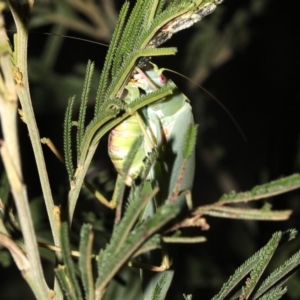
point(128, 65)
point(189, 147)
point(65, 283)
point(269, 189)
point(160, 7)
point(190, 141)
point(250, 263)
point(128, 41)
point(111, 261)
point(110, 56)
point(67, 258)
point(85, 260)
point(136, 203)
point(243, 213)
point(83, 103)
point(261, 265)
point(155, 7)
point(68, 138)
point(150, 98)
point(184, 239)
point(278, 277)
point(162, 286)
point(274, 294)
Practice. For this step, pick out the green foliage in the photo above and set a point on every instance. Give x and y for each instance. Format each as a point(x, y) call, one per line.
point(254, 267)
point(83, 103)
point(67, 273)
point(190, 142)
point(159, 292)
point(144, 220)
point(265, 190)
point(67, 137)
point(85, 260)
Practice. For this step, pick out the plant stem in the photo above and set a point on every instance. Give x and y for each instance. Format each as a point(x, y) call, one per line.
point(21, 16)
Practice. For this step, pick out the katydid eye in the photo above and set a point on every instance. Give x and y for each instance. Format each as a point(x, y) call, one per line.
point(162, 78)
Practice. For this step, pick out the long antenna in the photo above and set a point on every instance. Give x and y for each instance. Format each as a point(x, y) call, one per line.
point(169, 70)
point(65, 36)
point(214, 98)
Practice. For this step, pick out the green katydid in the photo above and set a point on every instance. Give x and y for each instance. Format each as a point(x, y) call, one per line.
point(159, 122)
point(163, 124)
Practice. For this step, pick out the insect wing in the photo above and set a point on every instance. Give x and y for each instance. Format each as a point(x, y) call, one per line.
point(174, 130)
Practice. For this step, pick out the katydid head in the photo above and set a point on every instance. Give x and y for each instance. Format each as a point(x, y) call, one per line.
point(156, 74)
point(150, 78)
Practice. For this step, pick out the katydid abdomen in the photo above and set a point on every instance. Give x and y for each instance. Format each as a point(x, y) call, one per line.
point(120, 141)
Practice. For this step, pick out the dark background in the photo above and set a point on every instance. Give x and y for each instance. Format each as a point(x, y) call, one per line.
point(258, 83)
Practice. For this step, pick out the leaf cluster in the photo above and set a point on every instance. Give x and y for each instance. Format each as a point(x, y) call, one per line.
point(246, 282)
